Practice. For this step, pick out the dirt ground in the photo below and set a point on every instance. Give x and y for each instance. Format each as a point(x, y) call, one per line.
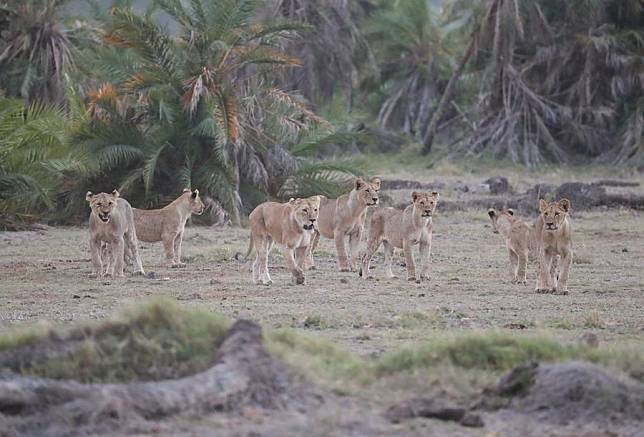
point(44, 277)
point(44, 280)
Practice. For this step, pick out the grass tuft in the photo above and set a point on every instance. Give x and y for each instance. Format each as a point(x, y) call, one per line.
point(151, 342)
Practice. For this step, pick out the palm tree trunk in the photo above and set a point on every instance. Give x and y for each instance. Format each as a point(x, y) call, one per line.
point(447, 92)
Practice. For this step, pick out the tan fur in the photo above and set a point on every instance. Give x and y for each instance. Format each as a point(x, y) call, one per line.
point(553, 235)
point(168, 223)
point(111, 224)
point(519, 241)
point(291, 226)
point(403, 229)
point(345, 216)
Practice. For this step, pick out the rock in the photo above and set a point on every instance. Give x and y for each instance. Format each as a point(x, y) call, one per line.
point(581, 195)
point(151, 275)
point(499, 185)
point(572, 392)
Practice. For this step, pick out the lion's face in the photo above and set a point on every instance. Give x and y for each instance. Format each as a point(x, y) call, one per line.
point(306, 211)
point(368, 191)
point(102, 204)
point(196, 205)
point(424, 203)
point(495, 216)
point(554, 213)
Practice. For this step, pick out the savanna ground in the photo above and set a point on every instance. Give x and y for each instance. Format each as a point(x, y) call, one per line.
point(44, 279)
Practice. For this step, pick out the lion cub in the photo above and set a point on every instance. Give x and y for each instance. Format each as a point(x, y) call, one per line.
point(111, 222)
point(403, 229)
point(553, 235)
point(519, 241)
point(291, 226)
point(168, 224)
point(342, 217)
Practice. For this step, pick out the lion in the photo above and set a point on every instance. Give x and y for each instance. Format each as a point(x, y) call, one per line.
point(553, 235)
point(519, 241)
point(403, 229)
point(168, 224)
point(342, 217)
point(111, 224)
point(291, 226)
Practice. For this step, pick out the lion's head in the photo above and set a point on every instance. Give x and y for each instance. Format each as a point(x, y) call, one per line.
point(424, 203)
point(368, 191)
point(503, 215)
point(102, 204)
point(306, 211)
point(554, 213)
point(196, 205)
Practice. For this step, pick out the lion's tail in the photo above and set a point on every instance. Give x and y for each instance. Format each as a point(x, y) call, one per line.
point(238, 255)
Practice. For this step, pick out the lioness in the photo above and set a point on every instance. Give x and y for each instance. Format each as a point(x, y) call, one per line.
point(345, 216)
point(519, 240)
point(553, 235)
point(112, 222)
point(290, 225)
point(168, 224)
point(403, 229)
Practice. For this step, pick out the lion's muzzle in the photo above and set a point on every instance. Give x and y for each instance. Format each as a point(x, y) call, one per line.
point(104, 216)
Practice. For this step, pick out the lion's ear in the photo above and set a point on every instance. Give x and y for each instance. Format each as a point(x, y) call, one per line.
point(543, 205)
point(376, 183)
point(435, 195)
point(195, 193)
point(115, 193)
point(415, 196)
point(186, 190)
point(292, 200)
point(510, 211)
point(491, 212)
point(564, 204)
point(88, 196)
point(359, 183)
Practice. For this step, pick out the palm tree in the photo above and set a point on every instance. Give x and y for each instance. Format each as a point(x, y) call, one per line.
point(411, 50)
point(34, 51)
point(36, 162)
point(564, 80)
point(189, 108)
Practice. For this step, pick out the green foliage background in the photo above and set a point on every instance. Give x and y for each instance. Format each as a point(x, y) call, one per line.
point(250, 100)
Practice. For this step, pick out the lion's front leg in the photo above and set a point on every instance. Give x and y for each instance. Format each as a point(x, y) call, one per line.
point(309, 263)
point(177, 250)
point(296, 271)
point(514, 265)
point(168, 247)
point(425, 259)
point(409, 260)
point(343, 262)
point(118, 253)
point(354, 248)
point(566, 262)
point(97, 262)
point(300, 256)
point(522, 268)
point(544, 281)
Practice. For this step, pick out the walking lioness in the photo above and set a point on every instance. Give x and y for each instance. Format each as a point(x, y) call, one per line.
point(290, 225)
point(403, 229)
point(553, 235)
point(342, 217)
point(519, 241)
point(111, 222)
point(168, 223)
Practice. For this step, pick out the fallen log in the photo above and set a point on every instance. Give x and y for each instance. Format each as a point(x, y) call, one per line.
point(244, 374)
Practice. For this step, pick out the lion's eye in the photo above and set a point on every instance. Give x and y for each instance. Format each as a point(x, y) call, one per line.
point(305, 210)
point(556, 214)
point(99, 204)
